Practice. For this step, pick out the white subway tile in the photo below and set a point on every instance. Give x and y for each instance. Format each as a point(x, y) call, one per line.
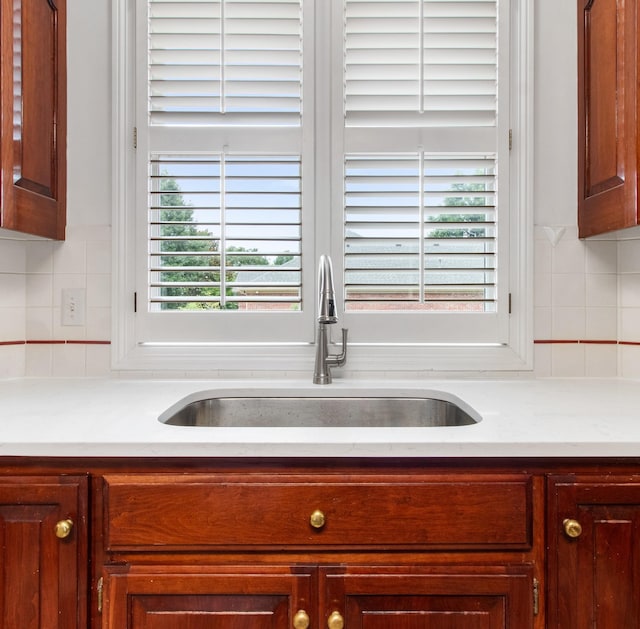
point(542, 360)
point(70, 257)
point(12, 290)
point(630, 290)
point(12, 325)
point(39, 361)
point(98, 360)
point(98, 326)
point(629, 256)
point(39, 256)
point(69, 360)
point(601, 289)
point(12, 256)
point(568, 256)
point(98, 257)
point(12, 361)
point(568, 323)
point(629, 361)
point(39, 290)
point(601, 324)
point(99, 291)
point(601, 256)
point(629, 324)
point(39, 324)
point(568, 360)
point(568, 290)
point(601, 361)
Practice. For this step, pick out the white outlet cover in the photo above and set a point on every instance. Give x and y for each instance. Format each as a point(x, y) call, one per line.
point(73, 306)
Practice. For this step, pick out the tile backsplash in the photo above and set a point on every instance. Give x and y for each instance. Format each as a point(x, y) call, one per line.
point(586, 305)
point(34, 273)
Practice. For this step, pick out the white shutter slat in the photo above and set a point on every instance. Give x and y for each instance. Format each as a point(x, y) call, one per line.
point(225, 232)
point(420, 58)
point(420, 236)
point(246, 54)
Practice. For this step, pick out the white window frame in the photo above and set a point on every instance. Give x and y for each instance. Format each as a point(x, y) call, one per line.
point(514, 353)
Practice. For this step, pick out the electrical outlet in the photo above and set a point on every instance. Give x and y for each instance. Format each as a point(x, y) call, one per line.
point(73, 306)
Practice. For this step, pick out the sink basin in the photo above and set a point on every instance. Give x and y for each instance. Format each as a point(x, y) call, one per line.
point(319, 411)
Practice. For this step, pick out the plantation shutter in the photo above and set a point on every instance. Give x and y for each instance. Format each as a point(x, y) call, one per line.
point(225, 155)
point(421, 221)
point(225, 62)
point(421, 62)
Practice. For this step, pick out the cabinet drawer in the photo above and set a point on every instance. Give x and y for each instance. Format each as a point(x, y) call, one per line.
point(216, 512)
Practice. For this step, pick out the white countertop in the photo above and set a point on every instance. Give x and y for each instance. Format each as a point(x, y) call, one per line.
point(520, 418)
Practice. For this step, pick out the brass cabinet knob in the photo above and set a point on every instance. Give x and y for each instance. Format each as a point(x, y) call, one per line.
point(301, 620)
point(335, 621)
point(572, 528)
point(317, 519)
point(63, 528)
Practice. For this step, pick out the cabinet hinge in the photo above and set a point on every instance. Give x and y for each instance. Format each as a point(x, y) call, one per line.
point(536, 597)
point(135, 137)
point(99, 589)
point(510, 139)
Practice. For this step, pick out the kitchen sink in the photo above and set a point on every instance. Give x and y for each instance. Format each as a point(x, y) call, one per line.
point(319, 411)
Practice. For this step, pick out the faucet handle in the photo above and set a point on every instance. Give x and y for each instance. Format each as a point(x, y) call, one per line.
point(337, 360)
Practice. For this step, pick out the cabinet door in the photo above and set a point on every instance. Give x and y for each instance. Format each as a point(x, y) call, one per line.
point(33, 132)
point(594, 552)
point(437, 598)
point(200, 597)
point(43, 552)
point(607, 115)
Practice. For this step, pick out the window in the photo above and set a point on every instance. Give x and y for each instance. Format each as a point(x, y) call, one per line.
point(270, 131)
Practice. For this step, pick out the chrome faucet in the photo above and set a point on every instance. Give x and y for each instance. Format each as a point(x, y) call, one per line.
point(327, 315)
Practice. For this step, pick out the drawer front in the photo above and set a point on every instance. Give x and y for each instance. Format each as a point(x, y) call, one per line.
point(246, 511)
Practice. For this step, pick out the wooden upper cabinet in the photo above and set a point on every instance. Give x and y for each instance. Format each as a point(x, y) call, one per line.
point(34, 125)
point(607, 116)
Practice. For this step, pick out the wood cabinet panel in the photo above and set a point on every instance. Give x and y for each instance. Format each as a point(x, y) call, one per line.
point(34, 124)
point(445, 598)
point(594, 577)
point(200, 597)
point(42, 578)
point(173, 512)
point(607, 115)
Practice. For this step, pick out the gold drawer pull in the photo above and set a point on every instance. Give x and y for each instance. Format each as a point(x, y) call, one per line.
point(572, 528)
point(317, 519)
point(335, 621)
point(301, 620)
point(63, 528)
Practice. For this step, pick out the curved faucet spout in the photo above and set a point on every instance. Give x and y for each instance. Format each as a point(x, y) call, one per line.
point(326, 292)
point(326, 316)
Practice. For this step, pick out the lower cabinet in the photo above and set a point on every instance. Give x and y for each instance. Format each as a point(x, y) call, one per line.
point(174, 597)
point(342, 545)
point(319, 549)
point(357, 597)
point(594, 552)
point(434, 597)
point(43, 552)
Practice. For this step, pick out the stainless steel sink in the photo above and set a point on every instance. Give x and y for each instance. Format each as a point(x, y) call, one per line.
point(310, 411)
